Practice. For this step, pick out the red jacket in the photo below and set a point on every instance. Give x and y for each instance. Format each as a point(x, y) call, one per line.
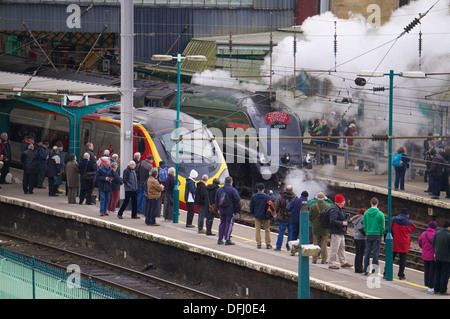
point(401, 227)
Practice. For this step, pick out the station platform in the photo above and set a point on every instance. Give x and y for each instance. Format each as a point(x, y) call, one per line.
point(346, 281)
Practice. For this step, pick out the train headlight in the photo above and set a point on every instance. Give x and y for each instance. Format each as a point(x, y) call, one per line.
point(286, 158)
point(266, 174)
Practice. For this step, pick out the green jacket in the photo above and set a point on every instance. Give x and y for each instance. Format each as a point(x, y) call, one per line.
point(374, 222)
point(314, 218)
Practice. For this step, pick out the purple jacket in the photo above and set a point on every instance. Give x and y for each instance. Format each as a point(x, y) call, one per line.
point(427, 248)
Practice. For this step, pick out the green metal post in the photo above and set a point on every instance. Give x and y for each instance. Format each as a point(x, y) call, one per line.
point(303, 261)
point(389, 238)
point(176, 190)
point(33, 278)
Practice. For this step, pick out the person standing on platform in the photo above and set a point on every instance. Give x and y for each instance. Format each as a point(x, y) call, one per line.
point(52, 171)
point(6, 156)
point(90, 150)
point(258, 207)
point(441, 244)
point(115, 188)
point(169, 185)
point(320, 235)
point(211, 189)
point(338, 227)
point(284, 215)
point(359, 238)
point(154, 189)
point(426, 243)
point(143, 169)
point(402, 226)
point(131, 190)
point(202, 201)
point(87, 169)
point(60, 165)
point(435, 173)
point(374, 226)
point(189, 197)
point(226, 199)
point(73, 179)
point(42, 160)
point(30, 162)
point(400, 162)
point(163, 171)
point(104, 177)
point(294, 207)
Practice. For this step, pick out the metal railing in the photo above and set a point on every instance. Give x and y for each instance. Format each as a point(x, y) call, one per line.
point(23, 277)
point(377, 158)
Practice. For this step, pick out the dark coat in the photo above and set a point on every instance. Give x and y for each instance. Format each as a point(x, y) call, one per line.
point(30, 161)
point(169, 184)
point(337, 216)
point(86, 166)
point(52, 167)
point(42, 156)
point(258, 204)
point(116, 182)
point(233, 197)
point(282, 206)
point(190, 188)
point(200, 194)
point(100, 177)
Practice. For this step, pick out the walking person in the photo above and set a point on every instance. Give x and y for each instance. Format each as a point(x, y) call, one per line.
point(131, 190)
point(189, 197)
point(115, 188)
point(258, 208)
point(73, 179)
point(227, 198)
point(169, 185)
point(211, 189)
point(400, 161)
point(338, 228)
point(374, 226)
point(426, 243)
point(154, 189)
point(30, 163)
point(359, 238)
point(402, 226)
point(88, 169)
point(284, 215)
point(441, 244)
point(104, 177)
point(201, 200)
point(319, 234)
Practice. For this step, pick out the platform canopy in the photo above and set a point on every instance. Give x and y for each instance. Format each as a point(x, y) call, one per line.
point(27, 83)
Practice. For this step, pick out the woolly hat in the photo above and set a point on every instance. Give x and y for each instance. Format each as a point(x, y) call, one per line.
point(362, 211)
point(339, 198)
point(260, 186)
point(446, 224)
point(193, 174)
point(432, 224)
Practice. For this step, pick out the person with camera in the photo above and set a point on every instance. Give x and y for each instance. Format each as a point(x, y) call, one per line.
point(338, 228)
point(104, 178)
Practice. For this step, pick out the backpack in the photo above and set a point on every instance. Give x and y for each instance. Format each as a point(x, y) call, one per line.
point(223, 200)
point(324, 217)
point(162, 173)
point(397, 160)
point(270, 210)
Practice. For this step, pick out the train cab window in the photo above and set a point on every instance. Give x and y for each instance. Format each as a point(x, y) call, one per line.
point(140, 143)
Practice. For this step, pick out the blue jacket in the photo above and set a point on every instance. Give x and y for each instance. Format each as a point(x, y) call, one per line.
point(190, 188)
point(294, 207)
point(42, 154)
point(100, 177)
point(258, 204)
point(233, 197)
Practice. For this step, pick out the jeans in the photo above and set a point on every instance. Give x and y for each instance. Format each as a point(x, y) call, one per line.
point(373, 243)
point(140, 198)
point(104, 201)
point(150, 211)
point(399, 178)
point(282, 226)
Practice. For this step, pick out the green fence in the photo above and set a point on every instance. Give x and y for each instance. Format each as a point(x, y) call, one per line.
point(23, 277)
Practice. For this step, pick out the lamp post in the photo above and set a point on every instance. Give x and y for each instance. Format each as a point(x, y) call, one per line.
point(389, 239)
point(179, 58)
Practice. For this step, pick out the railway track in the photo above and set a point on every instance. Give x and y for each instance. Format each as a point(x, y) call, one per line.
point(136, 283)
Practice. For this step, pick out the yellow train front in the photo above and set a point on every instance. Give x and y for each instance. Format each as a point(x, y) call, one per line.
point(154, 134)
